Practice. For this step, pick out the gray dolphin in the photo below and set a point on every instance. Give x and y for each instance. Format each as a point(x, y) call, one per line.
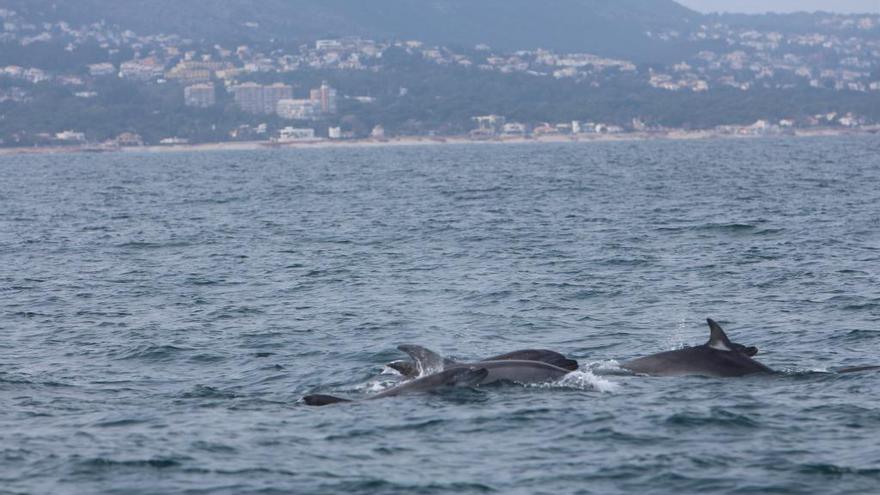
point(509, 370)
point(457, 377)
point(410, 369)
point(431, 365)
point(719, 357)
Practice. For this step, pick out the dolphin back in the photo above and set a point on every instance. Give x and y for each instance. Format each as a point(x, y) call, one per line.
point(540, 355)
point(410, 369)
point(467, 377)
point(322, 400)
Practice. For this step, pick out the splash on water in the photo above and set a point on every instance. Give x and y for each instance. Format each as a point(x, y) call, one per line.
point(582, 380)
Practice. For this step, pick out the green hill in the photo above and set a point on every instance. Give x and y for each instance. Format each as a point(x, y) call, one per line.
point(607, 27)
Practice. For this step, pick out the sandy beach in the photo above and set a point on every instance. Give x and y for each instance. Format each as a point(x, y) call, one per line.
point(676, 135)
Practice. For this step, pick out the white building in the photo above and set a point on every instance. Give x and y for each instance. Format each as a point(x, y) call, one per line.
point(292, 134)
point(514, 129)
point(489, 124)
point(99, 70)
point(78, 137)
point(298, 109)
point(142, 70)
point(328, 45)
point(200, 95)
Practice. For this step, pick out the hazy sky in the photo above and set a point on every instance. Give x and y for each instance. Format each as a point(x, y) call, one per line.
point(757, 6)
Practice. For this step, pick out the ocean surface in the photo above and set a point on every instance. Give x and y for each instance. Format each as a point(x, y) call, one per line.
point(163, 315)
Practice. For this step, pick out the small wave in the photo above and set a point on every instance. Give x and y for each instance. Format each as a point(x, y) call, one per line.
point(151, 245)
point(383, 486)
point(28, 314)
point(727, 227)
point(213, 447)
point(152, 352)
point(717, 417)
point(835, 470)
point(104, 463)
point(207, 358)
point(122, 422)
point(861, 306)
point(22, 380)
point(207, 392)
point(857, 335)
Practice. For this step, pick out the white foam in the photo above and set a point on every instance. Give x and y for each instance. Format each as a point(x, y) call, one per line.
point(387, 370)
point(798, 371)
point(376, 386)
point(583, 380)
point(606, 365)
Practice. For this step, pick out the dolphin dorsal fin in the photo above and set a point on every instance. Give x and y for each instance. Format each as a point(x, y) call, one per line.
point(717, 338)
point(427, 361)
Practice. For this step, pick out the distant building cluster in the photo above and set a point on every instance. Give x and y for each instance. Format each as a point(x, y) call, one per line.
point(142, 70)
point(497, 126)
point(321, 102)
point(192, 72)
point(829, 52)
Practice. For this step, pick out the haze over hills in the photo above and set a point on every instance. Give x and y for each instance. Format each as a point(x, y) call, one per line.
point(218, 70)
point(615, 28)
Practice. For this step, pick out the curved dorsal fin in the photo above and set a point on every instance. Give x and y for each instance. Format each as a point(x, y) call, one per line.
point(717, 338)
point(427, 361)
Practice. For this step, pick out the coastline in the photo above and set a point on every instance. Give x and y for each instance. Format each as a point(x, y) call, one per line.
point(431, 141)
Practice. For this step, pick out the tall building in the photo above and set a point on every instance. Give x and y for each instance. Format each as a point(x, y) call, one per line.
point(249, 97)
point(273, 94)
point(200, 95)
point(255, 98)
point(327, 97)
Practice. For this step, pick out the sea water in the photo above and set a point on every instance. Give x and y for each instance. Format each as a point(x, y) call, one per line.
point(163, 314)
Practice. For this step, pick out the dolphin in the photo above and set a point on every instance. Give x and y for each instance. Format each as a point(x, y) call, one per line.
point(457, 377)
point(719, 357)
point(508, 370)
point(431, 365)
point(410, 369)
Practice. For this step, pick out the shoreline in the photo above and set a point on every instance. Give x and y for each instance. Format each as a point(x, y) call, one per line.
point(430, 141)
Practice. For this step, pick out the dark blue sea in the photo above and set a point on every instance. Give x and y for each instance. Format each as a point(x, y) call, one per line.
point(163, 315)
